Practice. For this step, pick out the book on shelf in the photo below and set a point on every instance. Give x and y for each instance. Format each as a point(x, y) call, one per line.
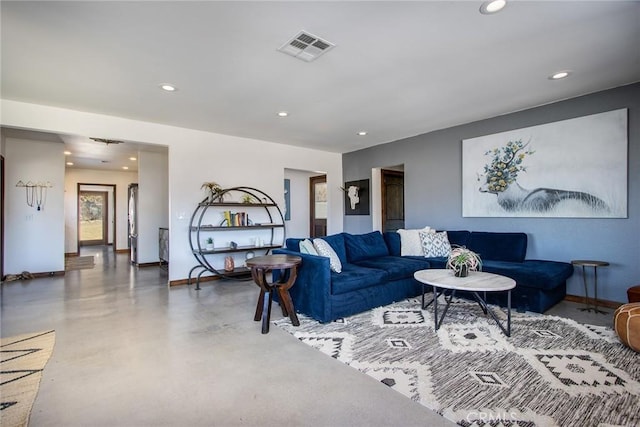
point(236, 219)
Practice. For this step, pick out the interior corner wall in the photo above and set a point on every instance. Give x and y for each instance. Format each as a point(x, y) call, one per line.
point(121, 180)
point(298, 225)
point(433, 191)
point(153, 203)
point(34, 240)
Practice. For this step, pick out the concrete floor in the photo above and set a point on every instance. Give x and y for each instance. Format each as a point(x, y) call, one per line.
point(130, 352)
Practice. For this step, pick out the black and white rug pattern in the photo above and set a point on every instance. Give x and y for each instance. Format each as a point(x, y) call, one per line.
point(551, 371)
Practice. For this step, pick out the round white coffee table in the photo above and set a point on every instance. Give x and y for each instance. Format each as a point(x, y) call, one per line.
point(474, 283)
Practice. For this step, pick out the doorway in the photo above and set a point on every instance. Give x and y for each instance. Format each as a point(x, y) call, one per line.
point(92, 218)
point(392, 199)
point(96, 215)
point(318, 206)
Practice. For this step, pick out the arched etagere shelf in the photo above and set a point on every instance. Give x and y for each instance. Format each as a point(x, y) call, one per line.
point(241, 221)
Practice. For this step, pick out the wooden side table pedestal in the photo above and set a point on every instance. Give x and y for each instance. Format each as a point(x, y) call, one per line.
point(260, 266)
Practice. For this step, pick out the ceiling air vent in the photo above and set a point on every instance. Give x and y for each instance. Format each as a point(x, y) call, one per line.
point(306, 46)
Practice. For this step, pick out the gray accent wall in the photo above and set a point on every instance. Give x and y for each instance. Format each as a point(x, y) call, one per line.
point(433, 191)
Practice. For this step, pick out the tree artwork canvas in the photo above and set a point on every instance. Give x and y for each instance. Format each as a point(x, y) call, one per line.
point(575, 168)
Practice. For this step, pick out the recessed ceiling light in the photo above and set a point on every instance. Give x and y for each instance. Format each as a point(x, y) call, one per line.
point(69, 163)
point(362, 133)
point(282, 114)
point(125, 167)
point(132, 159)
point(168, 87)
point(67, 153)
point(559, 75)
point(492, 6)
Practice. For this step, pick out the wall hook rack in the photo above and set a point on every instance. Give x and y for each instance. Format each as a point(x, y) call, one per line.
point(36, 193)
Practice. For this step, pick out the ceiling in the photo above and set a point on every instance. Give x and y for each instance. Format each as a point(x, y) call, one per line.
point(398, 69)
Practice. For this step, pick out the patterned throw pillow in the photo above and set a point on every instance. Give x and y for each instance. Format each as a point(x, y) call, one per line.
point(325, 250)
point(306, 247)
point(410, 241)
point(435, 244)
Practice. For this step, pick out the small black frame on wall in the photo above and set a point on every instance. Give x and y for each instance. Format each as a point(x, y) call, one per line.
point(356, 197)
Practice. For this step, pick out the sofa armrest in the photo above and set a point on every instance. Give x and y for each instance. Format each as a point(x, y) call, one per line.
point(311, 291)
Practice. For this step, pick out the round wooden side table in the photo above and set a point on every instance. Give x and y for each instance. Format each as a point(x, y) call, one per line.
point(592, 304)
point(260, 266)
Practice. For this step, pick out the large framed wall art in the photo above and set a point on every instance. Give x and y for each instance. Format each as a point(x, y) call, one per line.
point(573, 168)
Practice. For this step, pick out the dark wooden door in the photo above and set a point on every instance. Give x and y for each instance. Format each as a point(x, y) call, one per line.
point(392, 200)
point(318, 208)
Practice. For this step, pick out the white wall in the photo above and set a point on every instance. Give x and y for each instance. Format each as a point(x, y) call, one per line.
point(153, 203)
point(93, 176)
point(298, 226)
point(34, 240)
point(194, 157)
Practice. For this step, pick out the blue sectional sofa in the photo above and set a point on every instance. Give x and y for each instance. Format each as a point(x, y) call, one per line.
point(375, 274)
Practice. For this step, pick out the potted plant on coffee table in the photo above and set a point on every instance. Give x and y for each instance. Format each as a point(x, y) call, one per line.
point(462, 261)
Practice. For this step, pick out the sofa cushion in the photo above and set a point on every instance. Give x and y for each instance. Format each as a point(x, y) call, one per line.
point(306, 247)
point(293, 244)
point(354, 277)
point(458, 237)
point(435, 244)
point(365, 246)
point(532, 273)
point(410, 241)
point(392, 239)
point(499, 246)
point(325, 250)
point(336, 241)
point(396, 267)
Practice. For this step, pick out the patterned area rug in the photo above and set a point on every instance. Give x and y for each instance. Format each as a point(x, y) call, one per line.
point(79, 263)
point(551, 371)
point(22, 360)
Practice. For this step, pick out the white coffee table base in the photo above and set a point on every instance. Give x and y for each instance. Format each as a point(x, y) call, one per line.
point(443, 280)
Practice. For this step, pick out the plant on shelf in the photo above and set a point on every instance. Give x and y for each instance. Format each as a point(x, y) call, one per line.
point(248, 199)
point(215, 191)
point(209, 243)
point(462, 260)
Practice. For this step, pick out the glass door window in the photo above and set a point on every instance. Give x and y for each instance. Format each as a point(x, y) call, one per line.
point(92, 212)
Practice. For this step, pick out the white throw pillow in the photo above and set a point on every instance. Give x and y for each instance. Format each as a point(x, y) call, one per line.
point(435, 244)
point(325, 250)
point(306, 247)
point(410, 241)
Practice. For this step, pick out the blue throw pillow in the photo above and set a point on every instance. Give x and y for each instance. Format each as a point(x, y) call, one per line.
point(364, 246)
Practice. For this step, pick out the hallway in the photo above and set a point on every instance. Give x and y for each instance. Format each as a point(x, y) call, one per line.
point(131, 352)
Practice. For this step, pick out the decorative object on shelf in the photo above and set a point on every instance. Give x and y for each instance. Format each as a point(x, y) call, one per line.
point(462, 261)
point(36, 193)
point(229, 264)
point(247, 199)
point(249, 255)
point(209, 244)
point(233, 245)
point(215, 191)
